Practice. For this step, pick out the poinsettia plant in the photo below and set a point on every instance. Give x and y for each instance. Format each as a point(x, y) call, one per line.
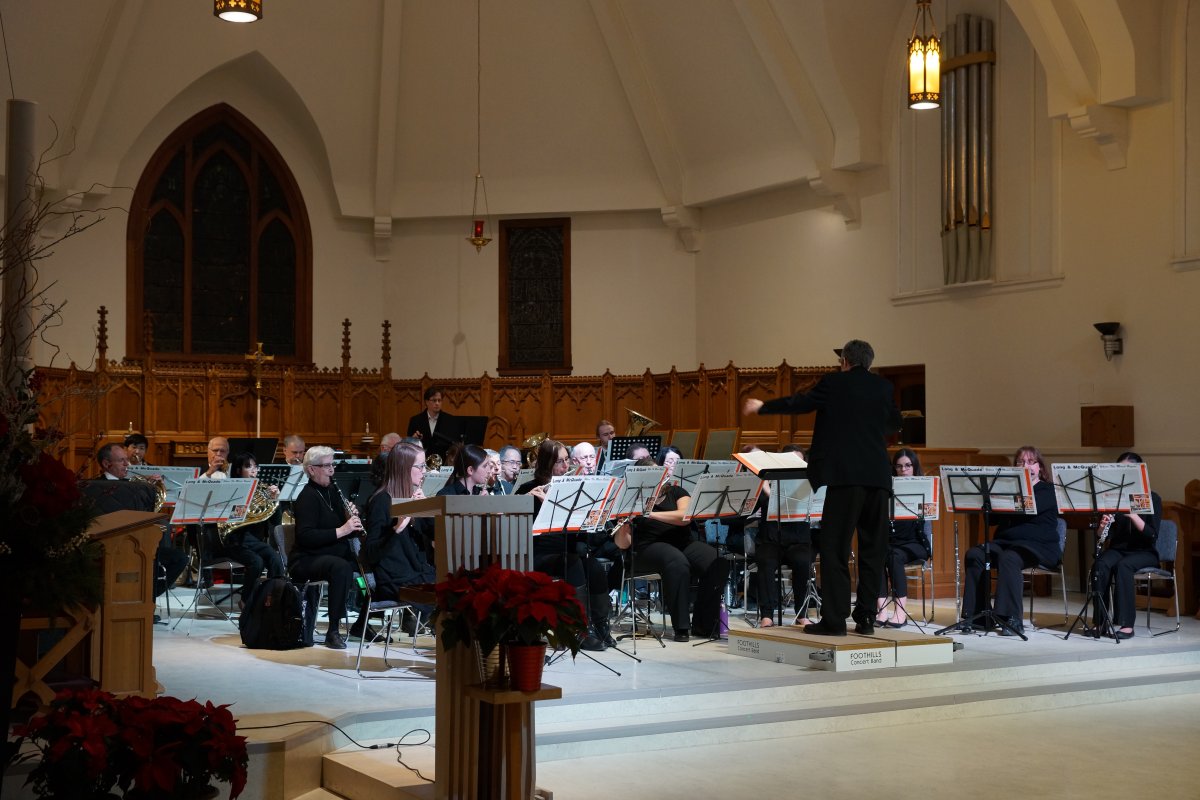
point(91, 743)
point(491, 605)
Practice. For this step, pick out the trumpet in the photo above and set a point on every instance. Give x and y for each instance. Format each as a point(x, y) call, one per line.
point(433, 463)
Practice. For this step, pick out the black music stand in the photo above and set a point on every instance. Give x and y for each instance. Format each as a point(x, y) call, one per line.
point(618, 447)
point(1090, 488)
point(263, 448)
point(917, 503)
point(720, 497)
point(982, 482)
point(574, 501)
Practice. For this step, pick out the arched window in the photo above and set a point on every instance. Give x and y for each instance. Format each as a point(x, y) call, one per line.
point(219, 247)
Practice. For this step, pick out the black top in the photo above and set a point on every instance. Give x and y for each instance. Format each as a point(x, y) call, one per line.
point(855, 415)
point(648, 531)
point(448, 432)
point(1128, 539)
point(453, 487)
point(398, 559)
point(319, 511)
point(1039, 533)
point(911, 531)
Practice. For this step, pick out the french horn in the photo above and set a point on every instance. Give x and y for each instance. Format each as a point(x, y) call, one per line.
point(160, 488)
point(262, 506)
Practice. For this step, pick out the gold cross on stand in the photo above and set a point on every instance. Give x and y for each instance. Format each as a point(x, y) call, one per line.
point(259, 358)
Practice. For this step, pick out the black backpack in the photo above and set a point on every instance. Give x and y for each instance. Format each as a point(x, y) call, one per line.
point(273, 617)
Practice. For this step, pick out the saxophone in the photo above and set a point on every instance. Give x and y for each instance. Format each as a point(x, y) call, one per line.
point(262, 506)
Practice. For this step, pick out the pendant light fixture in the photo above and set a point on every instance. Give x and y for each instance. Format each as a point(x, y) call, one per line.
point(238, 10)
point(924, 61)
point(481, 225)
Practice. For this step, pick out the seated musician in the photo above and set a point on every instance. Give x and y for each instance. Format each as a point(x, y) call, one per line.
point(789, 543)
point(249, 544)
point(908, 542)
point(510, 468)
point(169, 561)
point(135, 448)
point(218, 458)
point(1020, 541)
point(379, 462)
point(1132, 541)
point(293, 449)
point(583, 458)
point(564, 555)
point(664, 543)
point(493, 479)
point(471, 471)
point(637, 452)
point(605, 433)
point(324, 529)
point(395, 546)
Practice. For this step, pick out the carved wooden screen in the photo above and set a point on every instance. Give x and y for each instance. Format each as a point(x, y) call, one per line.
point(535, 296)
point(219, 247)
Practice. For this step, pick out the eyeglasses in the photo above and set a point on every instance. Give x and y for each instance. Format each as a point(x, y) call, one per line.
point(324, 466)
point(511, 461)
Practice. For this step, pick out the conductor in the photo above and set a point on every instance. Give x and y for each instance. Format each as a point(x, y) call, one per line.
point(855, 415)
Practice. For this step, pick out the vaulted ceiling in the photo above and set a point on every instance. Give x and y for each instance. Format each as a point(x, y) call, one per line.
point(587, 104)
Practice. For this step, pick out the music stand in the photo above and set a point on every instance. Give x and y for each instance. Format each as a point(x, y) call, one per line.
point(914, 498)
point(689, 470)
point(1098, 489)
point(296, 480)
point(471, 430)
point(173, 478)
point(777, 467)
point(619, 446)
point(262, 448)
point(988, 490)
point(722, 496)
point(635, 497)
point(574, 504)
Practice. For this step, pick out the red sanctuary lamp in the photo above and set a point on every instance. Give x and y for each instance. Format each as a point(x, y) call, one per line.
point(479, 225)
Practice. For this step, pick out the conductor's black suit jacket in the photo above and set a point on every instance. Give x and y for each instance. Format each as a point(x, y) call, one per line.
point(855, 415)
point(447, 433)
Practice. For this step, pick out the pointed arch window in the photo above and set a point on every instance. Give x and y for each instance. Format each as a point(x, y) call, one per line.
point(219, 247)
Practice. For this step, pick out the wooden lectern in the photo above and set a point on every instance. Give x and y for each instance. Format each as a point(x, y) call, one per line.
point(485, 744)
point(118, 636)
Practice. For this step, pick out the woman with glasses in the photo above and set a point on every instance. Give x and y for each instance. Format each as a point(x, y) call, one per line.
point(664, 543)
point(908, 542)
point(324, 530)
point(1020, 541)
point(1132, 545)
point(395, 546)
point(564, 555)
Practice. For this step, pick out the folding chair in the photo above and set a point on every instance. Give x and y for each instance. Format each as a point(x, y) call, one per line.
point(207, 562)
point(1051, 570)
point(1166, 545)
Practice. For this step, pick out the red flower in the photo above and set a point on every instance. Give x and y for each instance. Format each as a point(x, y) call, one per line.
point(49, 486)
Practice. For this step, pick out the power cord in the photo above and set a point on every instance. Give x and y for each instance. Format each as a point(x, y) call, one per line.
point(386, 745)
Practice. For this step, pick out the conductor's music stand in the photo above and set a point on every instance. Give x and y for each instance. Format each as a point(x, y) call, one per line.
point(988, 490)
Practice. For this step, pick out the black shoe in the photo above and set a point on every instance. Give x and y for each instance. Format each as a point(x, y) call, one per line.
point(864, 622)
point(1013, 627)
point(603, 632)
point(409, 623)
point(681, 635)
point(334, 641)
point(1121, 635)
point(823, 628)
point(591, 643)
point(356, 632)
point(158, 620)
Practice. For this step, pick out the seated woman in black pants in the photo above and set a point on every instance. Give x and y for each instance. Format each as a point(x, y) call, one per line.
point(249, 545)
point(1020, 541)
point(323, 529)
point(908, 542)
point(789, 542)
point(1132, 541)
point(394, 548)
point(664, 543)
point(471, 471)
point(565, 555)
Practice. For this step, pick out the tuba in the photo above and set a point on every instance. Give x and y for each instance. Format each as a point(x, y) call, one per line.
point(637, 423)
point(530, 445)
point(160, 488)
point(262, 506)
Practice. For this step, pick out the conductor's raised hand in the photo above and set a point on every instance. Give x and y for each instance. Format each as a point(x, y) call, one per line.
point(751, 406)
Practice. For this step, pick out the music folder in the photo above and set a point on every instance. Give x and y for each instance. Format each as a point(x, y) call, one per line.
point(916, 497)
point(1102, 488)
point(999, 490)
point(574, 503)
point(173, 478)
point(717, 496)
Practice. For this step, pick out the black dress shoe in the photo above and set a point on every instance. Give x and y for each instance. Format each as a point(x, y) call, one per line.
point(334, 641)
point(1119, 635)
point(823, 628)
point(681, 635)
point(1013, 628)
point(592, 644)
point(864, 622)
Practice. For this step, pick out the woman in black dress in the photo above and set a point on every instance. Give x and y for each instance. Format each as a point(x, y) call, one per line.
point(1132, 545)
point(908, 542)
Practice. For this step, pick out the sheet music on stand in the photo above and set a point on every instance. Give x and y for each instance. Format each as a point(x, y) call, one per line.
point(574, 503)
point(173, 478)
point(618, 447)
point(1113, 488)
point(447, 469)
point(523, 476)
point(275, 474)
point(206, 501)
point(637, 492)
point(796, 499)
point(296, 480)
point(1010, 489)
point(723, 495)
point(916, 497)
point(434, 482)
point(617, 468)
point(689, 470)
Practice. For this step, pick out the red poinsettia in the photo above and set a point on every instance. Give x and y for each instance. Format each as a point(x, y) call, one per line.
point(491, 605)
point(91, 742)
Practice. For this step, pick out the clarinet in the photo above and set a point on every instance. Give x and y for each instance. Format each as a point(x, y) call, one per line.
point(1104, 531)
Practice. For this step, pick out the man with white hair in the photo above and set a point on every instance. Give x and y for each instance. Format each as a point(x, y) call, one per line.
point(583, 456)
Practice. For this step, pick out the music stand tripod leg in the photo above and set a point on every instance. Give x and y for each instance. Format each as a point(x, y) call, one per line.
point(1096, 600)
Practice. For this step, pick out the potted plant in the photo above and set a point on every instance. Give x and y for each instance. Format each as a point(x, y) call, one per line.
point(518, 612)
point(92, 743)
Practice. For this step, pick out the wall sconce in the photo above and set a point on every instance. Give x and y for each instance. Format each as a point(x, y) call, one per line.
point(1113, 344)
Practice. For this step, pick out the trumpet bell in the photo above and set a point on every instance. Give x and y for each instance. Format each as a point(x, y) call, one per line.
point(637, 423)
point(433, 463)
